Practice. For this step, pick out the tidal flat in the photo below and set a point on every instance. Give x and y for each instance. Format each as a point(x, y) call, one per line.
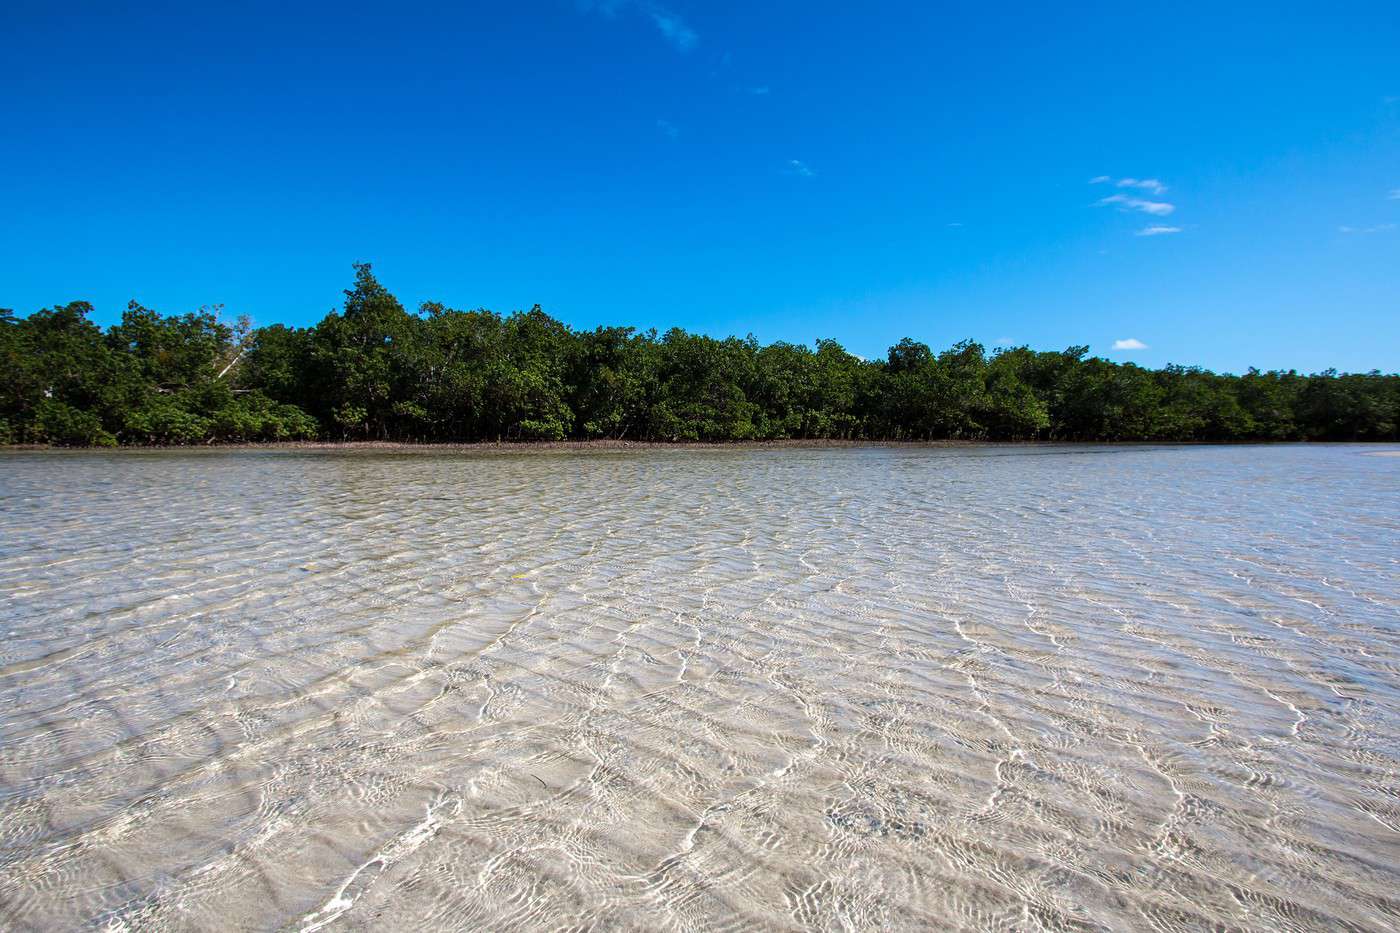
point(859, 687)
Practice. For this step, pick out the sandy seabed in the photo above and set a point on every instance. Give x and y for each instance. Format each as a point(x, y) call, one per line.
point(896, 687)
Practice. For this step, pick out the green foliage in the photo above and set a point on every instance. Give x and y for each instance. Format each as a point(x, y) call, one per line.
point(531, 430)
point(610, 376)
point(362, 359)
point(375, 371)
point(65, 426)
point(63, 383)
point(255, 417)
point(164, 420)
point(171, 352)
point(1012, 408)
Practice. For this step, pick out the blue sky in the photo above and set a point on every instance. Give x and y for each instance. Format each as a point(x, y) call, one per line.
point(791, 169)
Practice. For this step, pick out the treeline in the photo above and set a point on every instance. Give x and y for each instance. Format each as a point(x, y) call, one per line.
point(374, 371)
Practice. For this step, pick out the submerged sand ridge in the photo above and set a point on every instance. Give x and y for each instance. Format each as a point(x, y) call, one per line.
point(904, 688)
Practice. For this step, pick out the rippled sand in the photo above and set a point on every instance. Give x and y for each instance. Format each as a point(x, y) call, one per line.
point(976, 688)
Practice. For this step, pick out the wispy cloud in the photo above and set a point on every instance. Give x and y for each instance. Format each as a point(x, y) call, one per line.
point(760, 91)
point(1374, 228)
point(796, 167)
point(1145, 184)
point(668, 22)
point(1151, 185)
point(672, 27)
point(669, 128)
point(1128, 203)
point(1133, 203)
point(1394, 195)
point(1130, 343)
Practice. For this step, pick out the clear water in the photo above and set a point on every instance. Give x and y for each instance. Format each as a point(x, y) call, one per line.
point(915, 688)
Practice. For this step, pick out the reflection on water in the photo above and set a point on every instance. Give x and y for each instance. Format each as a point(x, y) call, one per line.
point(690, 689)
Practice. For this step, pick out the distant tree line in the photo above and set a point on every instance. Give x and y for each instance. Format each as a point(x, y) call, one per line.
point(373, 371)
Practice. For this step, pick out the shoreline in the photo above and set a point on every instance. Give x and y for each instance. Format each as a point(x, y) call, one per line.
point(522, 446)
point(569, 446)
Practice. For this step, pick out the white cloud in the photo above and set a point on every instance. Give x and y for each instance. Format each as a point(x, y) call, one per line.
point(1375, 228)
point(1158, 230)
point(1394, 195)
point(795, 167)
point(1131, 343)
point(1144, 184)
point(1129, 203)
point(669, 128)
point(759, 91)
point(667, 21)
point(672, 27)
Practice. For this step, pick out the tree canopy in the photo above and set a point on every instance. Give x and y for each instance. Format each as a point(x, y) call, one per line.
point(374, 371)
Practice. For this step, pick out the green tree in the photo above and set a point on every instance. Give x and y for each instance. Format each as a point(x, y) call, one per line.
point(373, 370)
point(360, 358)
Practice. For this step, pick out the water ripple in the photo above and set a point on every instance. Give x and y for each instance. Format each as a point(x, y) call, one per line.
point(977, 688)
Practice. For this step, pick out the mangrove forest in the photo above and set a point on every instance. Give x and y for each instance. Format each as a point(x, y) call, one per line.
point(374, 371)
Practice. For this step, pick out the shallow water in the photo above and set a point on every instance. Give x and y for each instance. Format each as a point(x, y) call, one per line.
point(1000, 687)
